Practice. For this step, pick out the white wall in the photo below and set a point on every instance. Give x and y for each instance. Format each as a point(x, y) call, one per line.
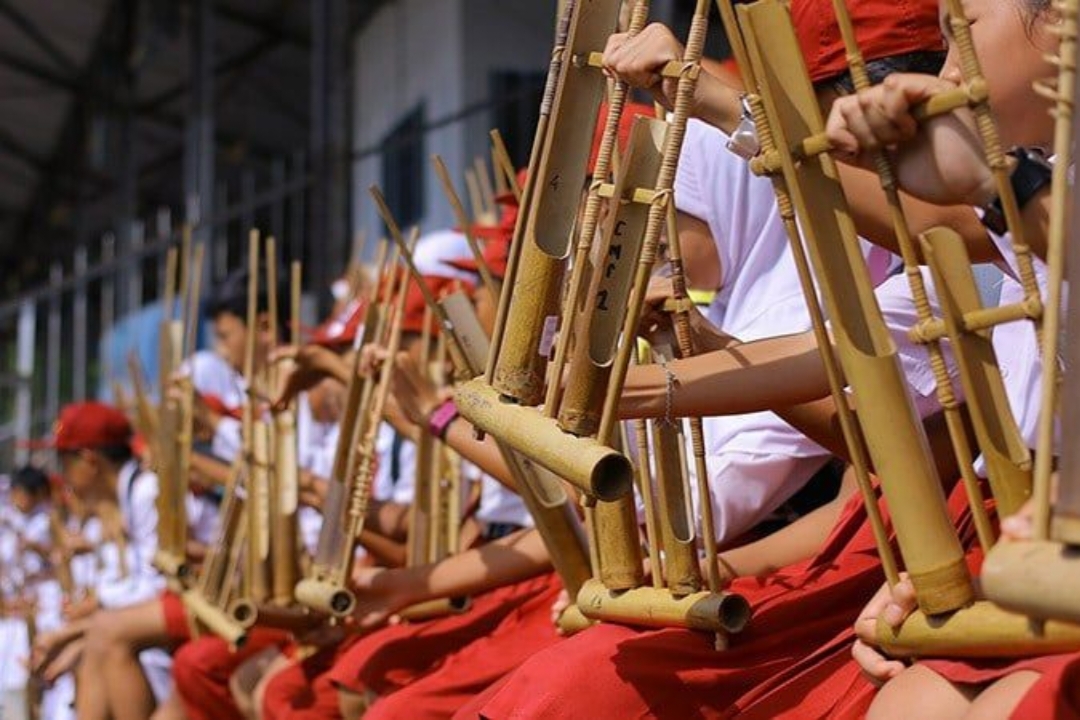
point(441, 52)
point(410, 52)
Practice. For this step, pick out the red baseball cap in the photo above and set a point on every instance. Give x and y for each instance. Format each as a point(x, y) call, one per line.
point(496, 254)
point(507, 198)
point(88, 426)
point(341, 329)
point(626, 123)
point(415, 305)
point(883, 28)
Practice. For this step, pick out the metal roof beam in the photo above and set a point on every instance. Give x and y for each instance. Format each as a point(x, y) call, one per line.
point(39, 38)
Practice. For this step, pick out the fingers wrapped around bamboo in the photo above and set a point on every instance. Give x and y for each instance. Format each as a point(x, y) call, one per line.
point(594, 468)
point(981, 630)
point(656, 607)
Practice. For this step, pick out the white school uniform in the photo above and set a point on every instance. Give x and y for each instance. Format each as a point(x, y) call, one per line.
point(756, 461)
point(316, 446)
point(211, 375)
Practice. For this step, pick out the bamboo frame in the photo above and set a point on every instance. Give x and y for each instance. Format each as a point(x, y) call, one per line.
point(1037, 577)
point(326, 587)
point(543, 494)
point(895, 438)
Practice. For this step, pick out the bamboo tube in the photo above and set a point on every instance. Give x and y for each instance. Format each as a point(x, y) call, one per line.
point(665, 180)
point(944, 387)
point(615, 535)
point(560, 175)
point(707, 611)
point(852, 435)
point(598, 324)
point(501, 185)
point(551, 85)
point(1063, 242)
point(896, 440)
point(981, 631)
point(257, 570)
point(594, 468)
point(686, 348)
point(215, 619)
point(681, 569)
point(1008, 460)
point(581, 269)
point(476, 200)
point(435, 609)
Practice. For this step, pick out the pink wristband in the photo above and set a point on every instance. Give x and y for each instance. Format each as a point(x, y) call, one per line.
point(441, 417)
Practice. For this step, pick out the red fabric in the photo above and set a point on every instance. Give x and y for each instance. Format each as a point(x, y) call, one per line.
point(882, 28)
point(202, 668)
point(829, 683)
point(390, 659)
point(626, 123)
point(437, 695)
point(1056, 695)
point(676, 673)
point(304, 690)
point(176, 617)
point(340, 330)
point(415, 306)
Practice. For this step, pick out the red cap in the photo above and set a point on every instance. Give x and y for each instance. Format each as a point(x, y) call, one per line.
point(882, 28)
point(626, 123)
point(496, 254)
point(90, 425)
point(341, 329)
point(507, 197)
point(415, 305)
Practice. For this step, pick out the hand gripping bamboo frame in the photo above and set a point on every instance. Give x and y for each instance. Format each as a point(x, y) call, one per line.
point(1039, 577)
point(326, 588)
point(788, 118)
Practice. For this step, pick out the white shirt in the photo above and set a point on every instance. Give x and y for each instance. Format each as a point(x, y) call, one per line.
point(137, 493)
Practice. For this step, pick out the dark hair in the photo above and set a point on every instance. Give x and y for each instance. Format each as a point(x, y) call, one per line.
point(114, 454)
point(30, 479)
point(924, 62)
point(231, 296)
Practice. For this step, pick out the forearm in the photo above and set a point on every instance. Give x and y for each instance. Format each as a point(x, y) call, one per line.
point(773, 373)
point(484, 454)
point(717, 103)
point(872, 215)
point(386, 552)
point(508, 560)
point(798, 541)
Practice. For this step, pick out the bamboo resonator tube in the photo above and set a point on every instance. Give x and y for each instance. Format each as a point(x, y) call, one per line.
point(895, 438)
point(657, 607)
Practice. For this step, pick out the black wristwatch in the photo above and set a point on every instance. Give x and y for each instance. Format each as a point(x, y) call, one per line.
point(1032, 173)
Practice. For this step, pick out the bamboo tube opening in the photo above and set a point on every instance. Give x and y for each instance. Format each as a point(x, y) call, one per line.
point(656, 607)
point(244, 612)
point(325, 597)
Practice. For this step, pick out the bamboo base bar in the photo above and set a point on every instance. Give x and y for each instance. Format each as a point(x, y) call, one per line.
point(657, 607)
point(982, 630)
point(594, 468)
point(572, 621)
point(171, 566)
point(326, 597)
point(293, 618)
point(215, 619)
point(436, 608)
point(1038, 579)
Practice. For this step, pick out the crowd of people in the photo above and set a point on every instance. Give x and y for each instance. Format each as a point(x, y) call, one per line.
point(96, 626)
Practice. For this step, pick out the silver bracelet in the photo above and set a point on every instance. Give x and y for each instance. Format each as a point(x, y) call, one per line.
point(744, 141)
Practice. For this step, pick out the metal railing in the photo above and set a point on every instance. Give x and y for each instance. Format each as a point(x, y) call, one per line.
point(68, 340)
